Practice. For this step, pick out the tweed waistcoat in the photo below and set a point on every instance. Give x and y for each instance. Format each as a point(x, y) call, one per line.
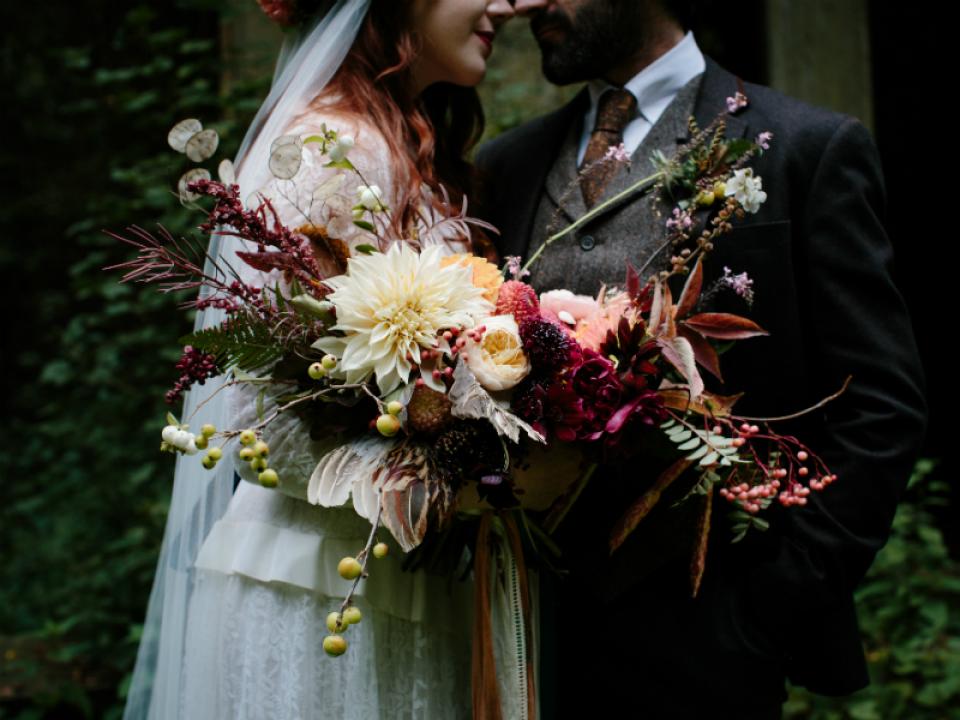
point(630, 230)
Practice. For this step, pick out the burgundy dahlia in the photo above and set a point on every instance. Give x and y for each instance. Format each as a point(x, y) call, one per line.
point(597, 383)
point(552, 407)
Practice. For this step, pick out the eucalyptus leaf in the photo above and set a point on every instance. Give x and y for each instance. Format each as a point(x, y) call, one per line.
point(261, 396)
point(310, 305)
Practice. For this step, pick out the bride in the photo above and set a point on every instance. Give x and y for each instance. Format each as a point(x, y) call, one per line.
point(245, 580)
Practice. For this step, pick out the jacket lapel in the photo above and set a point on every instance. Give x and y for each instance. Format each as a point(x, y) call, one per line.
point(550, 164)
point(527, 184)
point(718, 84)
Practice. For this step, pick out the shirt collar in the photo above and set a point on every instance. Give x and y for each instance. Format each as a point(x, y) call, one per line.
point(658, 83)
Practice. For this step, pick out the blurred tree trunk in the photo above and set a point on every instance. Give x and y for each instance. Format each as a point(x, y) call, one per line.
point(249, 43)
point(819, 51)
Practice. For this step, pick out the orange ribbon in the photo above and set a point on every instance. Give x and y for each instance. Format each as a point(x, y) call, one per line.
point(486, 695)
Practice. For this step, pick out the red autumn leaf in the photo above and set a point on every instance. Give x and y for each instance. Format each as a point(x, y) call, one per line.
point(633, 282)
point(724, 326)
point(691, 291)
point(267, 261)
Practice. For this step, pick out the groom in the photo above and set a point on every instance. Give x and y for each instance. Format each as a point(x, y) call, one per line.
point(621, 633)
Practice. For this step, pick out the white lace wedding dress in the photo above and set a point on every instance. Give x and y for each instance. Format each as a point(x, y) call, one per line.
point(266, 578)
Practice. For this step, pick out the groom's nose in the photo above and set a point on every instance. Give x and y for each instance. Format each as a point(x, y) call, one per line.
point(527, 7)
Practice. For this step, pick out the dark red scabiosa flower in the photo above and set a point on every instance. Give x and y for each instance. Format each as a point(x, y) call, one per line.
point(549, 349)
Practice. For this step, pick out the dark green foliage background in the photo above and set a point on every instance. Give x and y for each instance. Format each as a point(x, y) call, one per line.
point(88, 97)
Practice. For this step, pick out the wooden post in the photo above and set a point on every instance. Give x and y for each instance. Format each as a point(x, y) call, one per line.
point(819, 51)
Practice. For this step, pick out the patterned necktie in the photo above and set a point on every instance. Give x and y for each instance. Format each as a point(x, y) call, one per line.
point(615, 109)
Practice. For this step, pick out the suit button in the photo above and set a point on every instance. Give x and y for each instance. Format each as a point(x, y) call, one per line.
point(587, 242)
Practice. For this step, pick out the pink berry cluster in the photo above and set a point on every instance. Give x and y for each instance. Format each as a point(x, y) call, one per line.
point(753, 498)
point(456, 338)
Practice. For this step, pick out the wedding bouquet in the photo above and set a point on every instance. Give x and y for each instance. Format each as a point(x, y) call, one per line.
point(394, 376)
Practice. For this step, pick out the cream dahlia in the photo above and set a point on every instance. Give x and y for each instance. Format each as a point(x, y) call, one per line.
point(393, 304)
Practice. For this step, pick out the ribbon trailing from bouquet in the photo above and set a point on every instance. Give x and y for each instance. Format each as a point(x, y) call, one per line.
point(498, 541)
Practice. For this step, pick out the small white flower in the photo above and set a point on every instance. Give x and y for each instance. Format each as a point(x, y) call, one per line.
point(181, 438)
point(340, 149)
point(746, 189)
point(168, 434)
point(371, 197)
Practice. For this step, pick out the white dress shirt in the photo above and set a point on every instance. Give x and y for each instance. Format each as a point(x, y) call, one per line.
point(654, 87)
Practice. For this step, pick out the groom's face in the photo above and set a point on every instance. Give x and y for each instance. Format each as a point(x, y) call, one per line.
point(583, 39)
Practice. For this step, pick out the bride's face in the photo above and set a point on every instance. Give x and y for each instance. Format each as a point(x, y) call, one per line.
point(457, 38)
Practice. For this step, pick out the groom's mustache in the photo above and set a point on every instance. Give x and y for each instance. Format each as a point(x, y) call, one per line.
point(551, 26)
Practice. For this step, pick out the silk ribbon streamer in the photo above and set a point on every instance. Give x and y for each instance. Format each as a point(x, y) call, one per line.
point(485, 691)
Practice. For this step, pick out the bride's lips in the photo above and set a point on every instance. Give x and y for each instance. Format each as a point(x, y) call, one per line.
point(486, 38)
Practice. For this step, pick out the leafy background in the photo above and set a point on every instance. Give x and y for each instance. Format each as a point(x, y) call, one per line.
point(90, 94)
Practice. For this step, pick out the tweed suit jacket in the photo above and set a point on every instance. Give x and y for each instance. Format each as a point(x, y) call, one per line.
point(822, 266)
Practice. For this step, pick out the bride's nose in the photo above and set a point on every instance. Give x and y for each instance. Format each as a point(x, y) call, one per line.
point(500, 11)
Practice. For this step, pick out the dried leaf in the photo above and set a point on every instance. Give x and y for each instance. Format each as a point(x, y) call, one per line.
point(413, 493)
point(698, 562)
point(330, 254)
point(724, 326)
point(644, 504)
point(677, 397)
point(471, 400)
point(183, 131)
point(679, 352)
point(202, 145)
point(656, 309)
point(349, 471)
point(704, 353)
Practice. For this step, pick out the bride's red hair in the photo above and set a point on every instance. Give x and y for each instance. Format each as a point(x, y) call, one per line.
point(428, 135)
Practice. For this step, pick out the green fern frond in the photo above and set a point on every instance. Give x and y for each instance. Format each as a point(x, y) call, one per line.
point(245, 342)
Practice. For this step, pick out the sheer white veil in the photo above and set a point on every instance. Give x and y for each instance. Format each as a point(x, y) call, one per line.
point(308, 59)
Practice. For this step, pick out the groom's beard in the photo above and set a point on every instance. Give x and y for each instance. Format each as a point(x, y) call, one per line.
point(602, 34)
